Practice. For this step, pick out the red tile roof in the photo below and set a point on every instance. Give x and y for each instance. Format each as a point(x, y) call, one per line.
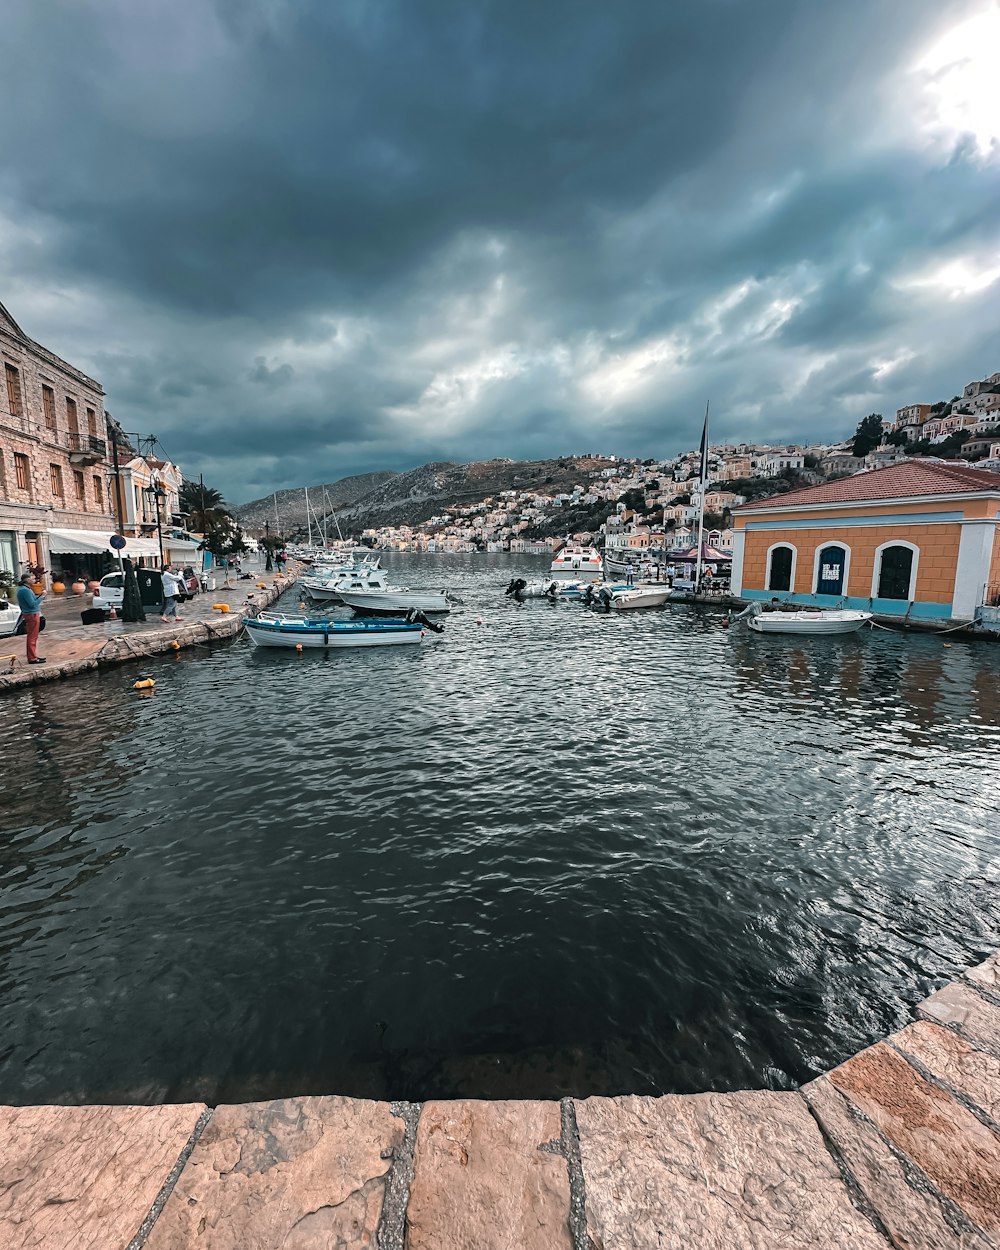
point(896, 481)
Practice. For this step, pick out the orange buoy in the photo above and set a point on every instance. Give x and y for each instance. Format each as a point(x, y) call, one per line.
point(298, 646)
point(146, 684)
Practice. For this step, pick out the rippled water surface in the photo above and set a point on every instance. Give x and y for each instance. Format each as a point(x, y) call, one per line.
point(555, 852)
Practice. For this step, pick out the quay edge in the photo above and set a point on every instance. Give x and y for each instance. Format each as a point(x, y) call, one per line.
point(126, 647)
point(898, 1146)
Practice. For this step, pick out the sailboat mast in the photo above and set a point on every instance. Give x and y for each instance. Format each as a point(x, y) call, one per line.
point(701, 502)
point(309, 522)
point(336, 520)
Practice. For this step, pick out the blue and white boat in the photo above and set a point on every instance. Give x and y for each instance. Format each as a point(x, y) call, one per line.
point(273, 629)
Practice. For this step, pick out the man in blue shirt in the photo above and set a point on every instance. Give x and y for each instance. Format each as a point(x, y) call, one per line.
point(31, 608)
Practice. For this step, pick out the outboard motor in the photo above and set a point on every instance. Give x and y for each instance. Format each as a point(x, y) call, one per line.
point(604, 598)
point(552, 590)
point(416, 617)
point(516, 586)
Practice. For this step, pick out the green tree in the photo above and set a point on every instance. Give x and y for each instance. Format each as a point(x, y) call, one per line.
point(868, 435)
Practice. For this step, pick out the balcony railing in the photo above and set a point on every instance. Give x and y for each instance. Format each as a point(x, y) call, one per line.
point(87, 445)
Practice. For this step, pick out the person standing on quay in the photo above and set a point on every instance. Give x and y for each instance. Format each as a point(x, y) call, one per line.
point(171, 589)
point(31, 609)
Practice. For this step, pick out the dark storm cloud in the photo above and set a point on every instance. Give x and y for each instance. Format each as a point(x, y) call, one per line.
point(303, 239)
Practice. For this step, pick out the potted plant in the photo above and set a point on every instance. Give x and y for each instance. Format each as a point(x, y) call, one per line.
point(36, 572)
point(8, 584)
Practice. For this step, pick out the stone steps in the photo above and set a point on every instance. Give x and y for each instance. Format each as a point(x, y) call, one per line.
point(897, 1147)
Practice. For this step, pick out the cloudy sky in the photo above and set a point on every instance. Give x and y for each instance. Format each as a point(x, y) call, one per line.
point(303, 238)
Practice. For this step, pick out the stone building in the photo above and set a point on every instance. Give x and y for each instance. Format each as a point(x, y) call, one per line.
point(53, 456)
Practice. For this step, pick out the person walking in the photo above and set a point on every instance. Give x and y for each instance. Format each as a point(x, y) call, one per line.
point(171, 590)
point(31, 612)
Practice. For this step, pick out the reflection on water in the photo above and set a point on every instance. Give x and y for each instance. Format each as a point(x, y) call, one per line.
point(558, 852)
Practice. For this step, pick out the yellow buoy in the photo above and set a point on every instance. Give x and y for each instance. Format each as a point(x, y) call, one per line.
point(302, 605)
point(298, 646)
point(147, 683)
point(174, 645)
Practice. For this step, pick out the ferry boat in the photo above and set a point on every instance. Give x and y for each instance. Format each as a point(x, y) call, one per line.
point(574, 563)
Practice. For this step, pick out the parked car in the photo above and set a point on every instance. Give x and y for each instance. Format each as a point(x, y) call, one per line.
point(111, 592)
point(10, 614)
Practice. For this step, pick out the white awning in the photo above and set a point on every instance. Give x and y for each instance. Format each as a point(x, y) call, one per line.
point(94, 542)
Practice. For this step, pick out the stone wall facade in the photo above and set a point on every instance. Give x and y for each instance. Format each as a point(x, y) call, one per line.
point(54, 470)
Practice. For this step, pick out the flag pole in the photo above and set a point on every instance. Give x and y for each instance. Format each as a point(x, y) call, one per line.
point(701, 501)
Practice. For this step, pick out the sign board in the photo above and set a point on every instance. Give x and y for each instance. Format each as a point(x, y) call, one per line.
point(116, 541)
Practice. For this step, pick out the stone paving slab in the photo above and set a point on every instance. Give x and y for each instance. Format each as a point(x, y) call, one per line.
point(744, 1171)
point(84, 1178)
point(292, 1174)
point(987, 973)
point(915, 1215)
point(958, 1154)
point(959, 1007)
point(973, 1074)
point(488, 1176)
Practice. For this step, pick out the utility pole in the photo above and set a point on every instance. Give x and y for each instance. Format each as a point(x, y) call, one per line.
point(119, 503)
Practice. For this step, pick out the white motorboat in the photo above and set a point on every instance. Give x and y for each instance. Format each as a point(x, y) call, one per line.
point(640, 597)
point(808, 621)
point(331, 590)
point(575, 563)
point(395, 602)
point(275, 629)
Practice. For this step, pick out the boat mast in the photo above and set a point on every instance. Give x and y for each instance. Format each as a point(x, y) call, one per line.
point(309, 522)
point(701, 501)
point(336, 521)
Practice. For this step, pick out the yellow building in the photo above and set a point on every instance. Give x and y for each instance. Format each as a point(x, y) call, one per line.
point(917, 539)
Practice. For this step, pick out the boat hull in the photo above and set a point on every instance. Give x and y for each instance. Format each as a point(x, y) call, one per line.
point(396, 604)
point(809, 622)
point(330, 635)
point(627, 599)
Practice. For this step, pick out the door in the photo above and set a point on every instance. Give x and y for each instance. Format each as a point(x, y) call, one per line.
point(830, 573)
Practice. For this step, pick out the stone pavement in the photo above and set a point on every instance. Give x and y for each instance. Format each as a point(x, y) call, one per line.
point(898, 1147)
point(70, 647)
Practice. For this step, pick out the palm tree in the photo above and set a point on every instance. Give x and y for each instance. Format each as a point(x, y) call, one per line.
point(205, 507)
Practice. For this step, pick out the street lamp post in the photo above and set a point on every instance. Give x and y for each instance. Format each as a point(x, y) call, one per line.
point(268, 565)
point(156, 492)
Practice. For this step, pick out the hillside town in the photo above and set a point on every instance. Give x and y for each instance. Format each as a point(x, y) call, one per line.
point(71, 475)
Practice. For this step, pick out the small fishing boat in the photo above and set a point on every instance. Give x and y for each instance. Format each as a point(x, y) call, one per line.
point(575, 563)
point(519, 588)
point(331, 589)
point(808, 621)
point(275, 629)
point(395, 601)
point(640, 597)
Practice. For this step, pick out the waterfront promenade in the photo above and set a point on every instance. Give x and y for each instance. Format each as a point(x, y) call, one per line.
point(70, 647)
point(897, 1147)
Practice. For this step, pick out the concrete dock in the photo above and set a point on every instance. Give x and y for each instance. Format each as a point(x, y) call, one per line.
point(70, 647)
point(897, 1147)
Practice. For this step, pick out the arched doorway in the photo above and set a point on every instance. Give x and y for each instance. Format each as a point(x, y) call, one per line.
point(831, 570)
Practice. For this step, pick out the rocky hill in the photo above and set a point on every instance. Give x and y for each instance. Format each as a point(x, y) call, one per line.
point(292, 503)
point(418, 494)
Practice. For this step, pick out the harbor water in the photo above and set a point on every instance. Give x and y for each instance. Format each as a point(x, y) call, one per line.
point(549, 852)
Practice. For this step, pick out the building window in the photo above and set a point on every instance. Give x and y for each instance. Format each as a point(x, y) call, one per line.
point(49, 406)
point(895, 571)
point(780, 567)
point(71, 416)
point(80, 486)
point(55, 478)
point(98, 491)
point(92, 422)
point(22, 471)
point(14, 402)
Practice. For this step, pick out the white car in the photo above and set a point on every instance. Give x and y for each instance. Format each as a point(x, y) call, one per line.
point(111, 593)
point(10, 614)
